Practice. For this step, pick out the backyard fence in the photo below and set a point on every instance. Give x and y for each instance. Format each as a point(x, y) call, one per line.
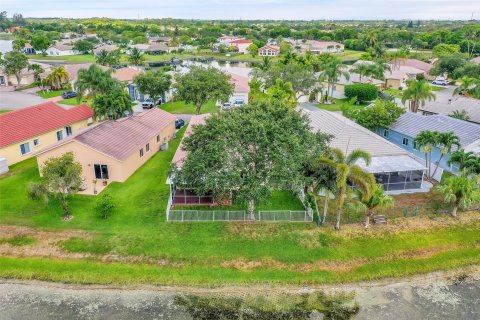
point(238, 215)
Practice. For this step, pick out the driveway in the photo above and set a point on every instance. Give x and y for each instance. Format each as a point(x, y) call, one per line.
point(14, 100)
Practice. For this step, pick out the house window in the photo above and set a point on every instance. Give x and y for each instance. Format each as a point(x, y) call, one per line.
point(68, 130)
point(415, 145)
point(147, 147)
point(36, 142)
point(405, 141)
point(141, 152)
point(385, 133)
point(59, 135)
point(101, 171)
point(24, 148)
point(158, 138)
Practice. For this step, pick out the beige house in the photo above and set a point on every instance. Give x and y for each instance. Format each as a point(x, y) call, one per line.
point(27, 76)
point(113, 150)
point(269, 51)
point(241, 45)
point(26, 131)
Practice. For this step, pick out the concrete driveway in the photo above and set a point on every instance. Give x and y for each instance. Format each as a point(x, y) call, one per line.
point(14, 100)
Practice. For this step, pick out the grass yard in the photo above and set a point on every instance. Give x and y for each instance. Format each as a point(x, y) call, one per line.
point(4, 111)
point(437, 88)
point(181, 107)
point(350, 55)
point(337, 106)
point(75, 102)
point(147, 250)
point(50, 93)
point(72, 58)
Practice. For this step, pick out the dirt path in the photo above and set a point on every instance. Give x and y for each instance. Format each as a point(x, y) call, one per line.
point(438, 295)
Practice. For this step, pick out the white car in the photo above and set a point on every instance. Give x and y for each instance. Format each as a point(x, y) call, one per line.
point(440, 82)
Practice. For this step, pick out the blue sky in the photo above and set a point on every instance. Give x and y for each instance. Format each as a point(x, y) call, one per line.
point(248, 9)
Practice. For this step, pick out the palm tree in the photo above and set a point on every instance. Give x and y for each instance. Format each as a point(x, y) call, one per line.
point(462, 191)
point(265, 64)
point(94, 81)
point(467, 161)
point(136, 57)
point(332, 72)
point(418, 92)
point(377, 70)
point(57, 77)
point(378, 199)
point(460, 114)
point(282, 91)
point(348, 172)
point(445, 142)
point(362, 69)
point(468, 85)
point(37, 70)
point(426, 140)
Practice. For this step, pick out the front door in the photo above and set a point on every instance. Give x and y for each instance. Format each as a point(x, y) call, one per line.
point(2, 81)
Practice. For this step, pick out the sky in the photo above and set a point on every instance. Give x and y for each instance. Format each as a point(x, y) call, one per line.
point(247, 9)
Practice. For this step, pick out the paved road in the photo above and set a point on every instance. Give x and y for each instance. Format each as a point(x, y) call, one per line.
point(17, 100)
point(422, 299)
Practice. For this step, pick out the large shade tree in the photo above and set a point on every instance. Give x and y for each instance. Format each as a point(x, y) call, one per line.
point(249, 152)
point(114, 104)
point(13, 63)
point(153, 83)
point(202, 84)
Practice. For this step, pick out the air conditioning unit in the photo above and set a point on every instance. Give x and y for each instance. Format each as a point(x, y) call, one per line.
point(3, 165)
point(164, 146)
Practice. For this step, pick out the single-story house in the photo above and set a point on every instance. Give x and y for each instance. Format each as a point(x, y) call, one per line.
point(105, 47)
point(241, 90)
point(60, 49)
point(158, 48)
point(241, 45)
point(269, 51)
point(398, 75)
point(415, 63)
point(34, 128)
point(319, 47)
point(27, 76)
point(185, 197)
point(142, 47)
point(126, 76)
point(339, 86)
point(409, 125)
point(28, 49)
point(470, 105)
point(392, 166)
point(113, 150)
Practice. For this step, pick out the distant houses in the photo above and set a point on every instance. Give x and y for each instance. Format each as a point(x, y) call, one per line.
point(114, 149)
point(269, 51)
point(61, 49)
point(105, 47)
point(409, 125)
point(32, 129)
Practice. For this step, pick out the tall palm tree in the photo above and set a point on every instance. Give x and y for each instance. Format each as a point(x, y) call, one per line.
point(467, 161)
point(418, 92)
point(462, 191)
point(445, 142)
point(94, 81)
point(363, 70)
point(265, 64)
point(377, 70)
point(348, 172)
point(136, 57)
point(37, 70)
point(426, 141)
point(332, 72)
point(378, 199)
point(57, 77)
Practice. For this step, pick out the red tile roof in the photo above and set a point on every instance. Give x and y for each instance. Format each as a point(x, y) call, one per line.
point(241, 41)
point(121, 138)
point(32, 121)
point(241, 83)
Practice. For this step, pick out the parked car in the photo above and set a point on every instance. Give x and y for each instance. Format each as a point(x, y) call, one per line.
point(148, 104)
point(226, 105)
point(440, 82)
point(69, 94)
point(238, 103)
point(179, 123)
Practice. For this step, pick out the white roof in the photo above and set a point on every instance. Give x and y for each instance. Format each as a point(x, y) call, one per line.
point(391, 164)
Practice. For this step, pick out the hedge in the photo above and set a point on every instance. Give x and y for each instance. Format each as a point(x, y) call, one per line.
point(363, 91)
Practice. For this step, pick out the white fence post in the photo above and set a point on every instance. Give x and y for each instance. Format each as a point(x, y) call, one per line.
point(182, 215)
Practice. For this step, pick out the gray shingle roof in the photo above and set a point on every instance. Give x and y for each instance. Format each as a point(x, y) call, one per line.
point(410, 124)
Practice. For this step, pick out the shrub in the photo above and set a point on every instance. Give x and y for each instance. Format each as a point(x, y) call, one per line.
point(362, 91)
point(105, 206)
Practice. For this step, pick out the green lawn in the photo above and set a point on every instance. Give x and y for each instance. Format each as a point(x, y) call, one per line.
point(75, 102)
point(350, 54)
point(436, 88)
point(72, 58)
point(181, 107)
point(5, 111)
point(338, 105)
point(50, 94)
point(212, 253)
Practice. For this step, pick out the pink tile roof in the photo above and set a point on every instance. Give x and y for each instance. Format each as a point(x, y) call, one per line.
point(274, 48)
point(241, 83)
point(121, 138)
point(416, 64)
point(241, 41)
point(22, 124)
point(180, 154)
